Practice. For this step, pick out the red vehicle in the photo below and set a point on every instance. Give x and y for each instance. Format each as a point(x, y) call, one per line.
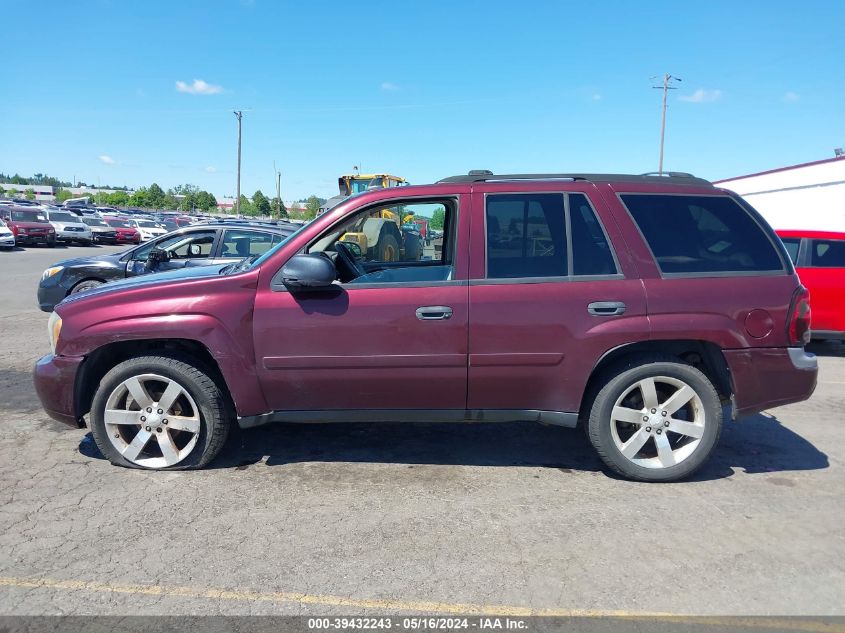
point(637, 306)
point(819, 257)
point(29, 225)
point(126, 233)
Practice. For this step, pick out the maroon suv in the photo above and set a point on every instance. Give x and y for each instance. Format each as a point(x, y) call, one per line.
point(635, 305)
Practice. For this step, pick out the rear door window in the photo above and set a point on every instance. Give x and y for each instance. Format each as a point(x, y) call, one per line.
point(244, 243)
point(526, 236)
point(702, 234)
point(828, 254)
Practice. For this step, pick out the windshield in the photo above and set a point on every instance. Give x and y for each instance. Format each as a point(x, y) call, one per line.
point(147, 224)
point(93, 222)
point(62, 216)
point(29, 216)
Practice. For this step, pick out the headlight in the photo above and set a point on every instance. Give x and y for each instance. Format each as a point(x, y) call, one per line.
point(54, 327)
point(51, 271)
point(22, 231)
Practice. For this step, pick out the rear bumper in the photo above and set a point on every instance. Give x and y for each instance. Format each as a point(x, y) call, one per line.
point(55, 380)
point(771, 377)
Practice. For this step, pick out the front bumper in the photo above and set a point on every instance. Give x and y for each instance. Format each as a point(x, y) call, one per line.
point(50, 296)
point(55, 380)
point(73, 236)
point(38, 238)
point(771, 377)
point(7, 241)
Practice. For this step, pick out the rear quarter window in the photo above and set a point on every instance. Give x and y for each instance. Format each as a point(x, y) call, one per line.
point(828, 254)
point(702, 234)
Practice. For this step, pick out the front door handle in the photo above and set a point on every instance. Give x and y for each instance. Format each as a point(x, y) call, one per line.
point(606, 308)
point(433, 313)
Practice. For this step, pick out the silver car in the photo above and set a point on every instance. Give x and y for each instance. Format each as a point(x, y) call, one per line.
point(69, 227)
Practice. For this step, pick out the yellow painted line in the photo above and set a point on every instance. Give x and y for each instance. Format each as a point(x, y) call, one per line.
point(465, 609)
point(249, 595)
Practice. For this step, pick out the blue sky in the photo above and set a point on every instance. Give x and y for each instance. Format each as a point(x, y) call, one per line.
point(107, 91)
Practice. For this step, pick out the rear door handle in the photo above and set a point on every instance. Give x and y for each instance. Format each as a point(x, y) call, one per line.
point(434, 313)
point(606, 308)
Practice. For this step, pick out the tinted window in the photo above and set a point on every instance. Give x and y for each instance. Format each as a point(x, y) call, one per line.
point(526, 236)
point(702, 234)
point(241, 243)
point(591, 254)
point(28, 216)
point(792, 244)
point(828, 254)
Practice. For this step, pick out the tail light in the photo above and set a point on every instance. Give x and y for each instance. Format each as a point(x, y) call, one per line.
point(798, 328)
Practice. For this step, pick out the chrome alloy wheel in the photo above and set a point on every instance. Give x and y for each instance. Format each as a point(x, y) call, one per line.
point(152, 421)
point(658, 422)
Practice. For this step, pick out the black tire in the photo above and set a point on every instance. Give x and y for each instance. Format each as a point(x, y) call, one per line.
point(86, 242)
point(214, 419)
point(51, 243)
point(413, 247)
point(388, 248)
point(88, 284)
point(622, 378)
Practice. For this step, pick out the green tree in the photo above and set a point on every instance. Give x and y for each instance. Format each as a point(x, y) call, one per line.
point(438, 219)
point(118, 199)
point(12, 192)
point(139, 198)
point(155, 196)
point(2, 191)
point(62, 195)
point(278, 207)
point(101, 198)
point(205, 201)
point(261, 203)
point(312, 205)
point(246, 207)
point(29, 194)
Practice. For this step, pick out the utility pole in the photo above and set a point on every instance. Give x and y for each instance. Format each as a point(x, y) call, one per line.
point(238, 115)
point(666, 87)
point(278, 191)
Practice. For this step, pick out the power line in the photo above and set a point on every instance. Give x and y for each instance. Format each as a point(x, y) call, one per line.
point(666, 87)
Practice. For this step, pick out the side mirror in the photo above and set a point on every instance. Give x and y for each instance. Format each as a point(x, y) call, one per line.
point(308, 272)
point(157, 256)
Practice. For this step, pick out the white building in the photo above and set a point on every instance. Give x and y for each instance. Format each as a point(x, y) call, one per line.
point(43, 193)
point(807, 196)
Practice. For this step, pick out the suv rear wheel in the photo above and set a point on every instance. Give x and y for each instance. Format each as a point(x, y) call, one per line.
point(157, 412)
point(655, 419)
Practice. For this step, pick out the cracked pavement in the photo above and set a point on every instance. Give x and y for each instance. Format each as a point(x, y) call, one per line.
point(325, 519)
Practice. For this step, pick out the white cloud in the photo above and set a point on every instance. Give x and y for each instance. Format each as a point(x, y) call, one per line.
point(106, 159)
point(199, 87)
point(211, 169)
point(702, 96)
point(391, 87)
point(790, 97)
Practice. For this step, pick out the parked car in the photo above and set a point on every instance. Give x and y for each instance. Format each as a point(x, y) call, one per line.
point(147, 228)
point(638, 306)
point(69, 227)
point(188, 247)
point(7, 238)
point(101, 231)
point(819, 257)
point(126, 233)
point(29, 225)
point(171, 224)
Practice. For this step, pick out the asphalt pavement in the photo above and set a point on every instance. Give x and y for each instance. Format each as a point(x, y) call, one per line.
point(454, 519)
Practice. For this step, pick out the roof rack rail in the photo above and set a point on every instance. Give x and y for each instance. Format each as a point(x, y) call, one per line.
point(669, 177)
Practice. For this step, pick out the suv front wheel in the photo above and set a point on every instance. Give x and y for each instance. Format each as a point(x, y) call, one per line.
point(656, 419)
point(158, 412)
